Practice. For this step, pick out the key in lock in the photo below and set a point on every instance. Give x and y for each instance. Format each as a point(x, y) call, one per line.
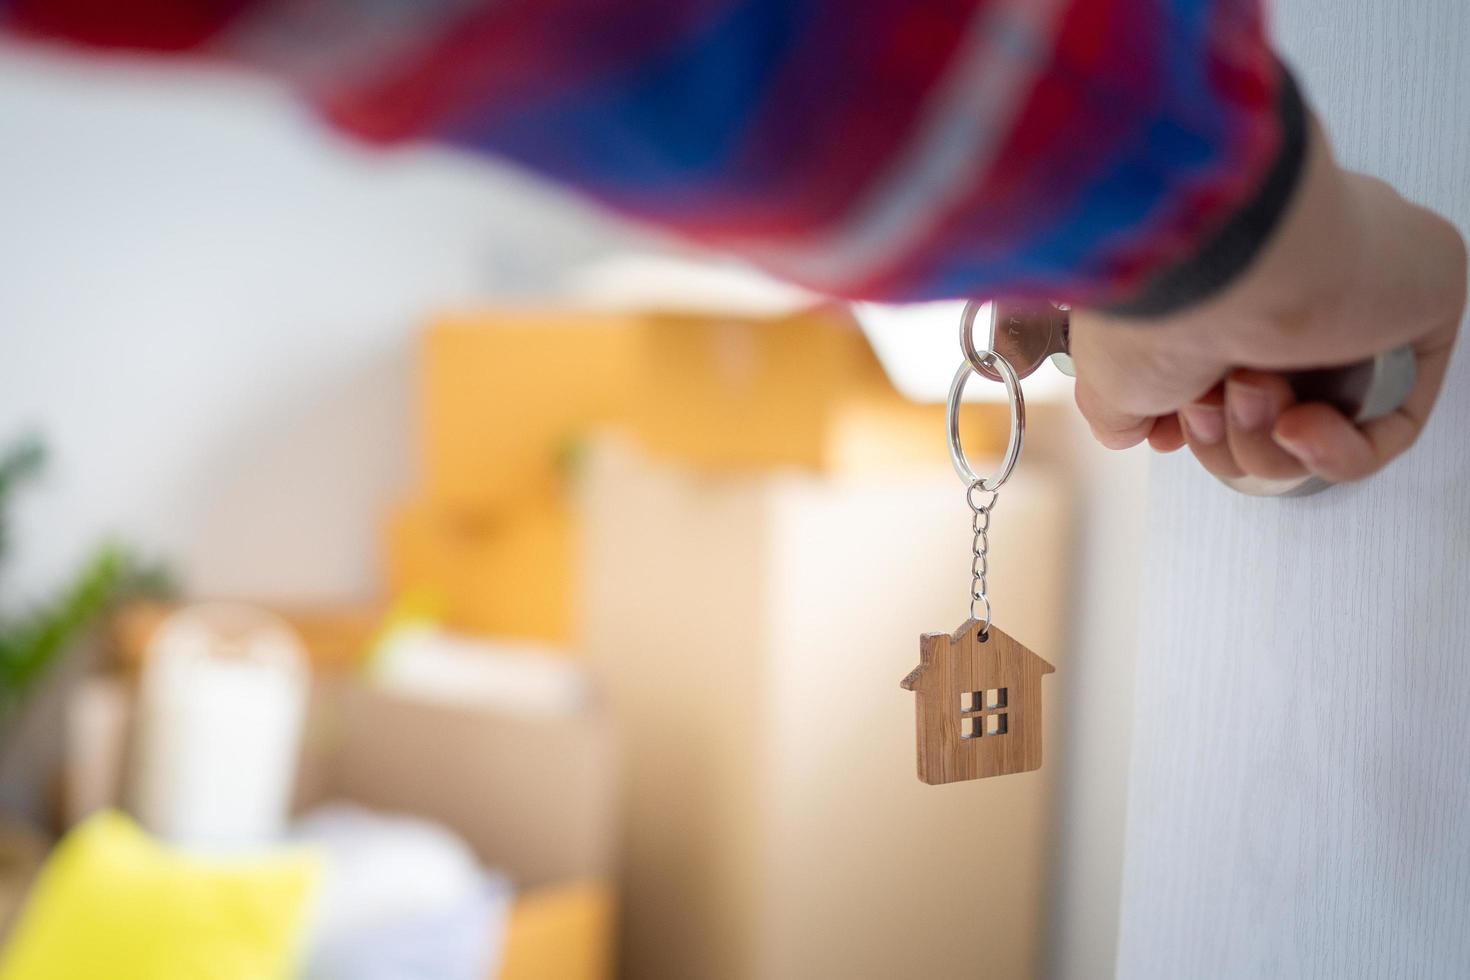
point(1028, 333)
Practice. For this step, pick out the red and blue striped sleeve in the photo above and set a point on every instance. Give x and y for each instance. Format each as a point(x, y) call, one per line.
point(1133, 153)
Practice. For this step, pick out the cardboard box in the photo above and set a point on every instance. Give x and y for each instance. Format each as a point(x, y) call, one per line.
point(752, 632)
point(509, 395)
point(513, 398)
point(507, 574)
point(805, 391)
point(533, 797)
point(504, 395)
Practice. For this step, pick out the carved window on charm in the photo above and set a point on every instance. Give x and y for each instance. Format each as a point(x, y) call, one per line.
point(983, 713)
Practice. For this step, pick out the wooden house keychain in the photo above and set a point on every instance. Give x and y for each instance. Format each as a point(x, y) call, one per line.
point(978, 690)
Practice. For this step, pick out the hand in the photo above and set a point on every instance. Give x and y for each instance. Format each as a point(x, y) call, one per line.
point(1352, 271)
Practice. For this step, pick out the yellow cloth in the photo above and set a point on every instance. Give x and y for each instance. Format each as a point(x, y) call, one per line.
point(112, 903)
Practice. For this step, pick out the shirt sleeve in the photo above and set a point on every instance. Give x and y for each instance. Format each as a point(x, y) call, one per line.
point(1129, 153)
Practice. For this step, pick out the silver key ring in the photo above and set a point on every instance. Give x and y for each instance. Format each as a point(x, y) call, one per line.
point(1018, 421)
point(967, 337)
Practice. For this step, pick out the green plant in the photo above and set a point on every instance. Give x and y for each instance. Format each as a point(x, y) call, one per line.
point(35, 639)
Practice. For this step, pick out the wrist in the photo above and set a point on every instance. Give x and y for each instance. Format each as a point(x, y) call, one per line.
point(1304, 271)
point(1296, 277)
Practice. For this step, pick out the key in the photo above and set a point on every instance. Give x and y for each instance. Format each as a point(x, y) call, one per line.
point(1026, 334)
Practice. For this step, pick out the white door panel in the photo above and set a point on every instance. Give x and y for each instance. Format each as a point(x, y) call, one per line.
point(1299, 803)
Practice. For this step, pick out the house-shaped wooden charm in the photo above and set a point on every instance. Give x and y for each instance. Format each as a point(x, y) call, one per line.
point(979, 704)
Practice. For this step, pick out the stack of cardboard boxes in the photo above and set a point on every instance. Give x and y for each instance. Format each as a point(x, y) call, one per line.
point(743, 527)
point(512, 400)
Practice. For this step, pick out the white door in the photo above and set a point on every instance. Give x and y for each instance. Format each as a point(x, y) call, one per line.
point(1299, 802)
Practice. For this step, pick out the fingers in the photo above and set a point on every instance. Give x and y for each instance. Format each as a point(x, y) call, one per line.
point(1252, 425)
point(1335, 449)
point(1253, 402)
point(1166, 435)
point(1111, 426)
point(1229, 429)
point(1204, 431)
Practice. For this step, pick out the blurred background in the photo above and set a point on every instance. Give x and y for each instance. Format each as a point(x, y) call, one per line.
point(409, 571)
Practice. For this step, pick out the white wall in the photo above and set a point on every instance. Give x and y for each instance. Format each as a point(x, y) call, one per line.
point(207, 305)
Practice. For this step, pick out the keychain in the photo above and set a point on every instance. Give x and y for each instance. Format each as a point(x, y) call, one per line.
point(978, 691)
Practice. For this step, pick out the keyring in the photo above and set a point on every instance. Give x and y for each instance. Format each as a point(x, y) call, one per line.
point(967, 340)
point(1018, 421)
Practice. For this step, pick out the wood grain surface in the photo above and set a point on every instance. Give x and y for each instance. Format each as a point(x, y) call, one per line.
point(977, 705)
point(1300, 790)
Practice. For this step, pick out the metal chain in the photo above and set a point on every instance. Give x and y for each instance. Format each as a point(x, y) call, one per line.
point(980, 550)
point(987, 364)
